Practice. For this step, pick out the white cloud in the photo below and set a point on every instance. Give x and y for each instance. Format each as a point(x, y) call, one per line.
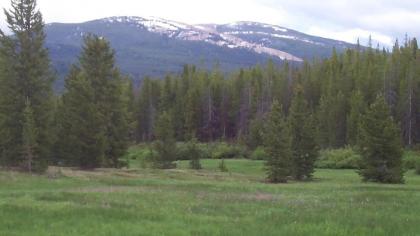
point(352, 35)
point(192, 11)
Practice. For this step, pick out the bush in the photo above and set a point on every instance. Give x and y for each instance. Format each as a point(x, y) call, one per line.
point(163, 155)
point(418, 166)
point(227, 151)
point(410, 159)
point(193, 153)
point(142, 153)
point(259, 154)
point(182, 153)
point(222, 166)
point(344, 158)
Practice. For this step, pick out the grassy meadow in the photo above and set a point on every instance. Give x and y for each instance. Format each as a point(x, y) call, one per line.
point(139, 201)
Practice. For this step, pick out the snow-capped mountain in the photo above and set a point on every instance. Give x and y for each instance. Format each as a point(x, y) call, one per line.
point(208, 33)
point(155, 46)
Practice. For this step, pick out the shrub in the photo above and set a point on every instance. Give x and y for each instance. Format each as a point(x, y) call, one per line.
point(410, 159)
point(418, 166)
point(227, 151)
point(163, 155)
point(344, 158)
point(123, 163)
point(143, 154)
point(259, 154)
point(222, 166)
point(193, 153)
point(182, 153)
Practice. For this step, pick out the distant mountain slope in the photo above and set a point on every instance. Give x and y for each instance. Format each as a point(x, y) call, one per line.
point(154, 46)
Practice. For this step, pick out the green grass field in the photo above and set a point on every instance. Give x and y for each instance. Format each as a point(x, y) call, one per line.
point(208, 202)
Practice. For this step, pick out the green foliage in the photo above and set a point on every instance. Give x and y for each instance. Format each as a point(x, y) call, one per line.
point(29, 135)
point(336, 92)
point(380, 146)
point(221, 150)
point(82, 139)
point(343, 158)
point(194, 154)
point(93, 117)
point(278, 146)
point(256, 134)
point(354, 118)
point(222, 166)
point(144, 155)
point(410, 159)
point(418, 166)
point(259, 154)
point(302, 130)
point(165, 146)
point(25, 75)
point(183, 150)
point(97, 62)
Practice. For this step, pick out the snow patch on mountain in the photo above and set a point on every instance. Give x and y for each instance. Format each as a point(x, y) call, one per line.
point(210, 34)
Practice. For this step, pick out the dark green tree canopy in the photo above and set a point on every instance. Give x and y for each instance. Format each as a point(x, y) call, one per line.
point(380, 145)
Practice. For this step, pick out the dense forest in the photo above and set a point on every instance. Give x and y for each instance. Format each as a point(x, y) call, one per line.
point(324, 102)
point(211, 105)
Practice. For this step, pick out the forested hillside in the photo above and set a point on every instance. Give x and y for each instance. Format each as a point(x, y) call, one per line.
point(338, 90)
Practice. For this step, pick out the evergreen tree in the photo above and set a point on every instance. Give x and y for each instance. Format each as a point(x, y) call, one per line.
point(129, 100)
point(29, 139)
point(256, 134)
point(194, 154)
point(165, 145)
point(25, 75)
point(192, 113)
point(147, 110)
point(380, 145)
point(98, 64)
point(302, 129)
point(96, 118)
point(82, 139)
point(355, 117)
point(278, 146)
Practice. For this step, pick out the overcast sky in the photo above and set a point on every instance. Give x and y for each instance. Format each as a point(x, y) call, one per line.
point(344, 20)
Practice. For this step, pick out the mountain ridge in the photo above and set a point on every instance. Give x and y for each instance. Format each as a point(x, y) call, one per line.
point(155, 46)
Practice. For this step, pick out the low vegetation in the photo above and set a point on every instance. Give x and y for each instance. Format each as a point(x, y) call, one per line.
point(181, 201)
point(343, 158)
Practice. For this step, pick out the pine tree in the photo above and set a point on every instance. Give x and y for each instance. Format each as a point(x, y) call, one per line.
point(98, 64)
point(278, 146)
point(194, 154)
point(354, 118)
point(82, 139)
point(256, 134)
point(29, 139)
point(26, 75)
point(129, 101)
point(380, 145)
point(147, 111)
point(165, 145)
point(302, 129)
point(94, 98)
point(192, 113)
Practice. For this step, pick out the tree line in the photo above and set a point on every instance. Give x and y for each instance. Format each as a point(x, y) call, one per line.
point(212, 105)
point(323, 103)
